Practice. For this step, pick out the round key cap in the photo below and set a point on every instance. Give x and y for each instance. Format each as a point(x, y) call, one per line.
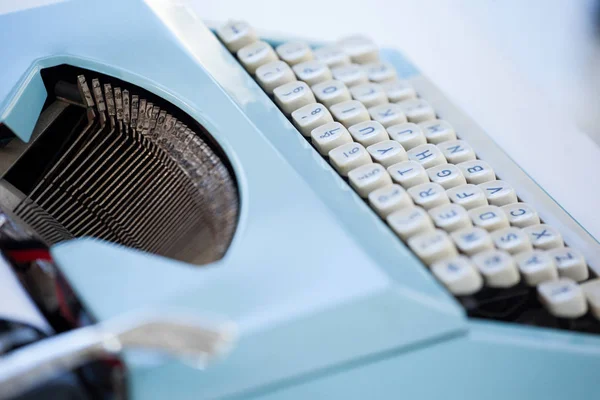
point(368, 132)
point(294, 52)
point(447, 175)
point(408, 174)
point(489, 218)
point(450, 217)
point(459, 275)
point(536, 267)
point(409, 222)
point(274, 74)
point(236, 34)
point(498, 268)
point(332, 56)
point(387, 152)
point(591, 290)
point(256, 54)
point(348, 157)
point(310, 117)
point(398, 90)
point(292, 96)
point(521, 215)
point(469, 196)
point(350, 113)
point(417, 110)
point(380, 72)
point(472, 240)
point(388, 199)
point(563, 298)
point(368, 177)
point(428, 155)
point(428, 195)
point(329, 136)
point(360, 49)
point(387, 114)
point(437, 131)
point(312, 72)
point(571, 263)
point(477, 171)
point(512, 240)
point(409, 135)
point(432, 246)
point(350, 75)
point(499, 193)
point(331, 92)
point(457, 151)
point(370, 94)
point(543, 236)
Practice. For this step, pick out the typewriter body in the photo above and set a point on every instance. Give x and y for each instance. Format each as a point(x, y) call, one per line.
point(327, 299)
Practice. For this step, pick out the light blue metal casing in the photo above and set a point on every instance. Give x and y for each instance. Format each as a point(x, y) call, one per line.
point(330, 304)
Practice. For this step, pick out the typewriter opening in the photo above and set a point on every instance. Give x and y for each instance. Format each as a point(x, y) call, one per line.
point(110, 160)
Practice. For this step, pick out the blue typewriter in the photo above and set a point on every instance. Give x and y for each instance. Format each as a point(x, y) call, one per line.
point(203, 213)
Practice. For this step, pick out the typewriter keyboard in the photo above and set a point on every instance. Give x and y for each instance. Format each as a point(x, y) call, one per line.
point(490, 250)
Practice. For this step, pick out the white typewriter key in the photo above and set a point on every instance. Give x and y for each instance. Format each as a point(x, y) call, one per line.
point(368, 132)
point(521, 215)
point(370, 94)
point(408, 173)
point(361, 49)
point(329, 136)
point(410, 221)
point(591, 290)
point(399, 91)
point(563, 298)
point(348, 157)
point(459, 275)
point(387, 114)
point(472, 240)
point(294, 52)
point(499, 193)
point(447, 175)
point(544, 237)
point(417, 110)
point(477, 171)
point(428, 155)
point(457, 151)
point(388, 199)
point(428, 195)
point(310, 117)
point(570, 263)
point(536, 267)
point(331, 92)
point(332, 56)
point(387, 153)
point(380, 72)
point(489, 218)
point(437, 131)
point(450, 217)
point(350, 75)
point(469, 196)
point(409, 135)
point(274, 74)
point(312, 72)
point(236, 34)
point(512, 240)
point(292, 96)
point(350, 113)
point(367, 178)
point(432, 246)
point(498, 268)
point(256, 54)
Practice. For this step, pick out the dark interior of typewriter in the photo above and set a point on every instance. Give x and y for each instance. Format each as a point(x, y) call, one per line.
point(110, 160)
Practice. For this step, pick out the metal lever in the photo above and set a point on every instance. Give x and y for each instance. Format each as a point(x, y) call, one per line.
point(180, 337)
